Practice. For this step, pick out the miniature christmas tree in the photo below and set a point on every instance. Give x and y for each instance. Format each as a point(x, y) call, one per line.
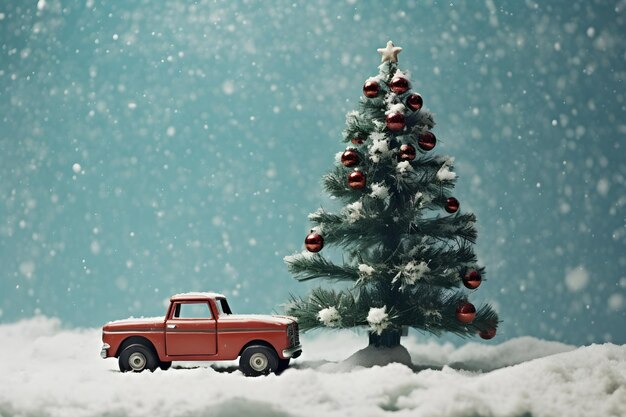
point(408, 247)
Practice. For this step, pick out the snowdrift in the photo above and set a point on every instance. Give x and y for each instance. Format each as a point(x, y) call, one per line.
point(47, 370)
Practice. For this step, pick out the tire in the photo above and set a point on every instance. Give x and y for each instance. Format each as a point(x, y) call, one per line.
point(258, 360)
point(137, 358)
point(165, 365)
point(282, 365)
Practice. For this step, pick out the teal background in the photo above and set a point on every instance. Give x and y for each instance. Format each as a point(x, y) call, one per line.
point(202, 130)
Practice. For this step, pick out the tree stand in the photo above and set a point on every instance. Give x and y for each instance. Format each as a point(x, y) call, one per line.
point(383, 349)
point(388, 338)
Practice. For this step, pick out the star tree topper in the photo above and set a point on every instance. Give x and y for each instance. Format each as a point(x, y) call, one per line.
point(389, 53)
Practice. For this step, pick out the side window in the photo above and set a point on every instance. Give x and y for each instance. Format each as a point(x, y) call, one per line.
point(192, 311)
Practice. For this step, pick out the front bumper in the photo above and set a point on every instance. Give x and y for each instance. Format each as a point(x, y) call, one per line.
point(104, 353)
point(292, 352)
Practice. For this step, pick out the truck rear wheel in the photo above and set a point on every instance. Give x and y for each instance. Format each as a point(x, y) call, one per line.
point(258, 360)
point(136, 358)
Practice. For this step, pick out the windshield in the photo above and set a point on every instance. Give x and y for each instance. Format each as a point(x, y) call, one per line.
point(222, 306)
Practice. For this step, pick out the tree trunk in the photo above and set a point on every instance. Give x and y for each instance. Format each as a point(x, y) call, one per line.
point(388, 338)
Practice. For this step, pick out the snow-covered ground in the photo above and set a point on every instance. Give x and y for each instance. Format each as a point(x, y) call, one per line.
point(46, 370)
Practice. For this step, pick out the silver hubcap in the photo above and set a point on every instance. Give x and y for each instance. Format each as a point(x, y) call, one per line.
point(137, 361)
point(258, 362)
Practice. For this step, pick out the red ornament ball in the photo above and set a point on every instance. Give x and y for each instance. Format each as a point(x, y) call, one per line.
point(487, 334)
point(395, 121)
point(314, 242)
point(427, 141)
point(452, 205)
point(357, 141)
point(472, 279)
point(414, 102)
point(407, 152)
point(399, 85)
point(466, 312)
point(356, 179)
point(371, 89)
point(350, 158)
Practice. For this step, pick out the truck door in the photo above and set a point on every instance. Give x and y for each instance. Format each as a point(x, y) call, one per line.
point(191, 329)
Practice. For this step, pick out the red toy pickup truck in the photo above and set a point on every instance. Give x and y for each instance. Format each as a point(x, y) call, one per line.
point(201, 327)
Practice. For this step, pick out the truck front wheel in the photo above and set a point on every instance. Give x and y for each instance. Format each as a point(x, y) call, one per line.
point(258, 360)
point(136, 358)
point(282, 365)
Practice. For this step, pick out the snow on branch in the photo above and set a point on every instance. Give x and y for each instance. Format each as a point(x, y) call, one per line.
point(379, 190)
point(410, 273)
point(366, 273)
point(404, 167)
point(378, 319)
point(379, 147)
point(354, 211)
point(329, 316)
point(444, 173)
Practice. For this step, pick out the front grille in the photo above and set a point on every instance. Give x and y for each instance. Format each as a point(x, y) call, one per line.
point(296, 340)
point(293, 334)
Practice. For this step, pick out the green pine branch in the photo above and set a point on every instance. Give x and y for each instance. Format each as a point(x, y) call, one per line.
point(448, 227)
point(352, 312)
point(308, 267)
point(443, 256)
point(425, 309)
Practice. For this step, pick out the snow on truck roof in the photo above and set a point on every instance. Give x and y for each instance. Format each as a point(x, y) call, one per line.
point(196, 296)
